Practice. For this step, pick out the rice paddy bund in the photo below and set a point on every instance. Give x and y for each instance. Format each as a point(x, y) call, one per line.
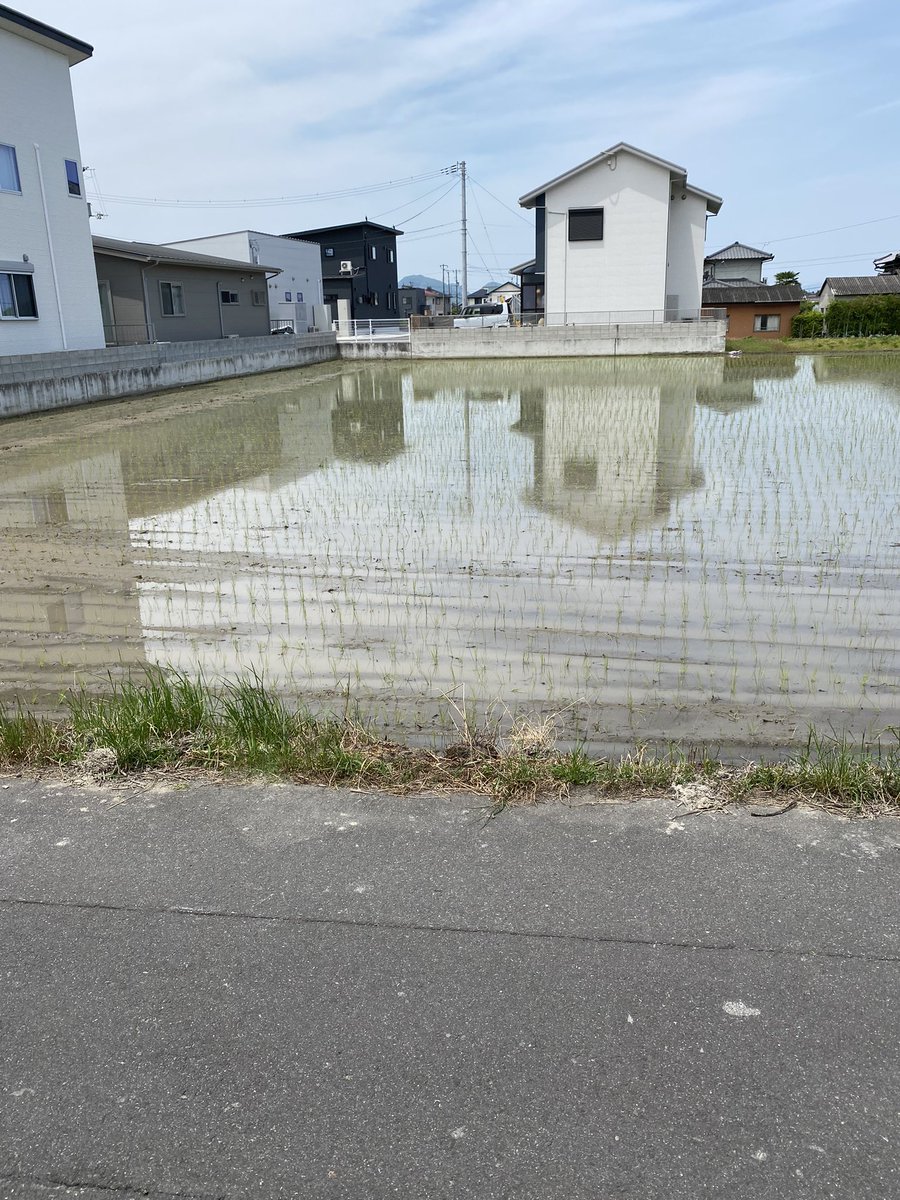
point(651, 551)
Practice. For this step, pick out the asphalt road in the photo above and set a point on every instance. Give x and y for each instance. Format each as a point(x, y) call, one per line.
point(272, 992)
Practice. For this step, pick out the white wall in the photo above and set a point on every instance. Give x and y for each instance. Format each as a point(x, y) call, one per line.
point(37, 117)
point(687, 234)
point(739, 268)
point(624, 272)
point(300, 263)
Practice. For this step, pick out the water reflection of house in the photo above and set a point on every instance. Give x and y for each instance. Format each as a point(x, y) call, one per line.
point(367, 421)
point(879, 369)
point(737, 387)
point(611, 454)
point(67, 601)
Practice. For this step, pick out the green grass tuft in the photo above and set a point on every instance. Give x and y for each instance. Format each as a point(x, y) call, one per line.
point(171, 721)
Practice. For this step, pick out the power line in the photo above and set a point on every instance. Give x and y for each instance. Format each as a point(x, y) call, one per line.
point(408, 203)
point(451, 188)
point(500, 202)
point(837, 229)
point(270, 201)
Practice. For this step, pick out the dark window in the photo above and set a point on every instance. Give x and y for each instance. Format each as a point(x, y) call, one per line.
point(287, 297)
point(580, 474)
point(72, 177)
point(329, 251)
point(230, 298)
point(258, 298)
point(9, 169)
point(585, 224)
point(17, 297)
point(171, 299)
point(767, 323)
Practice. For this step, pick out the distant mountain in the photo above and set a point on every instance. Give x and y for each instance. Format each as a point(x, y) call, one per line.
point(426, 281)
point(423, 281)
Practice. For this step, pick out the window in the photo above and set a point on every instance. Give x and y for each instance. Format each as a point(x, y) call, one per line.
point(373, 251)
point(287, 297)
point(767, 323)
point(258, 298)
point(17, 300)
point(230, 298)
point(329, 251)
point(171, 299)
point(299, 297)
point(9, 169)
point(585, 224)
point(390, 256)
point(72, 177)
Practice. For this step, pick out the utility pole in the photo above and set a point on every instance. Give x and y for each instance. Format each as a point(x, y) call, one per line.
point(456, 289)
point(465, 242)
point(460, 169)
point(445, 288)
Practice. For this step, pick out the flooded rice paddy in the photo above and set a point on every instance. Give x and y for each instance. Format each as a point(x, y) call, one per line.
point(653, 550)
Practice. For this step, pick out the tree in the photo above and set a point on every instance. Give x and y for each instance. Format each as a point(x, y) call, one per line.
point(786, 277)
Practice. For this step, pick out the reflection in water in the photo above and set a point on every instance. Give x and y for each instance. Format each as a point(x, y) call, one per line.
point(367, 421)
point(612, 453)
point(653, 549)
point(58, 618)
point(741, 377)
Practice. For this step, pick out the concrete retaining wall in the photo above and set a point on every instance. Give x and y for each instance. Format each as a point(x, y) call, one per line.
point(571, 341)
point(549, 341)
point(38, 382)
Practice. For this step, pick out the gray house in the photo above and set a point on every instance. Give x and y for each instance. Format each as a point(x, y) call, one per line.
point(152, 293)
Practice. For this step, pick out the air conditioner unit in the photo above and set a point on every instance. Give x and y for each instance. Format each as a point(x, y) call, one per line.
point(346, 266)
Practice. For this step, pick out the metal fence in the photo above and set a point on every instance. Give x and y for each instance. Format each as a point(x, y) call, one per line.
point(141, 334)
point(642, 316)
point(378, 330)
point(281, 327)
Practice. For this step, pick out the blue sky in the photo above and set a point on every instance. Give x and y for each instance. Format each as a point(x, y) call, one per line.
point(789, 110)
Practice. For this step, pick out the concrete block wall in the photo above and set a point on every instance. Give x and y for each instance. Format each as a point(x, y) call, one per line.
point(40, 382)
point(550, 341)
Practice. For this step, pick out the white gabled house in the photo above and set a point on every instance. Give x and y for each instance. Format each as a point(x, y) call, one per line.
point(619, 237)
point(48, 285)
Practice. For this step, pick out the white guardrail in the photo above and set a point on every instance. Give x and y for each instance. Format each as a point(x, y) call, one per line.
point(378, 330)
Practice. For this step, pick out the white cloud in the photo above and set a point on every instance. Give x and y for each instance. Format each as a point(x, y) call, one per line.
point(225, 100)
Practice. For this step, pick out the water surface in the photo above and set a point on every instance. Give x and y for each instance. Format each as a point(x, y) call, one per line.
point(690, 550)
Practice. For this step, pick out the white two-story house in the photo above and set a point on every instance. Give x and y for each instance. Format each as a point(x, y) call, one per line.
point(48, 285)
point(619, 237)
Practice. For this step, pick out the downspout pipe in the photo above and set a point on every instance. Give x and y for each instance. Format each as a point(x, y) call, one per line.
point(53, 274)
point(151, 262)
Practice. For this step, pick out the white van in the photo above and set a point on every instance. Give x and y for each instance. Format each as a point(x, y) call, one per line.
point(482, 316)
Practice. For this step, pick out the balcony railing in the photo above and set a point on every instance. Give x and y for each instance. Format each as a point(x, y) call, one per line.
point(394, 329)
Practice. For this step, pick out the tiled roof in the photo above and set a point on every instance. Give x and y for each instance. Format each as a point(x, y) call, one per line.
point(731, 283)
point(790, 293)
point(738, 250)
point(863, 285)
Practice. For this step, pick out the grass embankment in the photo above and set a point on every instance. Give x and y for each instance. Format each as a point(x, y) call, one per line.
point(173, 723)
point(825, 345)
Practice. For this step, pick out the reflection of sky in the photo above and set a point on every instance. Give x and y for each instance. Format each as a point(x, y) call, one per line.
point(807, 473)
point(546, 531)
